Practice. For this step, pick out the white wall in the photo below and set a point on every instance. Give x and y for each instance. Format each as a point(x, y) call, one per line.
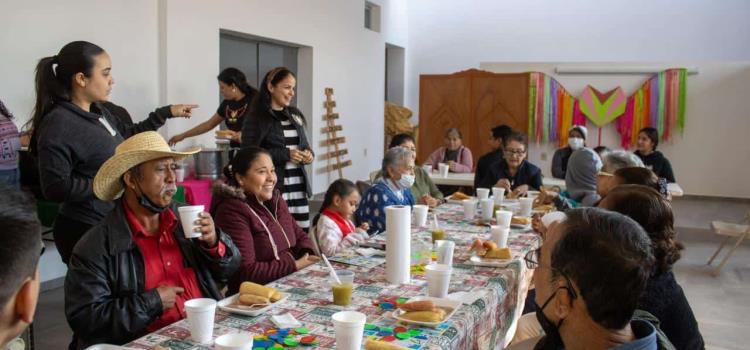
point(710, 157)
point(167, 51)
point(31, 30)
point(345, 56)
point(446, 36)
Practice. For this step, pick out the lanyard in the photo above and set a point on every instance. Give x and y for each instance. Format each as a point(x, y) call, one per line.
point(106, 125)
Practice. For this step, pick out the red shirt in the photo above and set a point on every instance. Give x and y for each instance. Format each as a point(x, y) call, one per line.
point(164, 264)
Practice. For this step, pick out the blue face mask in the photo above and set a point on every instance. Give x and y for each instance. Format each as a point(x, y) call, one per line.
point(406, 180)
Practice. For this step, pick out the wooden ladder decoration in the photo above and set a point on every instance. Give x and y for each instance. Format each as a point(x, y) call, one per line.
point(334, 140)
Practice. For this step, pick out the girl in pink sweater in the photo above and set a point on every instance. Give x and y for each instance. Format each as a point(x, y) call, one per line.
point(453, 153)
point(334, 230)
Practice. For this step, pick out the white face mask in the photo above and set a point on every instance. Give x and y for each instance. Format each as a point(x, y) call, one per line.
point(575, 143)
point(406, 180)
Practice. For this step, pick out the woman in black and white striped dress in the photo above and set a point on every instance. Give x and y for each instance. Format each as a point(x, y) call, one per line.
point(280, 129)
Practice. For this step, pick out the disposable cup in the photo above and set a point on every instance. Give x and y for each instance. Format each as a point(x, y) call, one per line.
point(200, 316)
point(234, 341)
point(342, 293)
point(427, 168)
point(188, 215)
point(445, 252)
point(499, 194)
point(349, 327)
point(438, 279)
point(499, 235)
point(470, 209)
point(443, 168)
point(483, 193)
point(420, 214)
point(525, 205)
point(488, 207)
point(503, 218)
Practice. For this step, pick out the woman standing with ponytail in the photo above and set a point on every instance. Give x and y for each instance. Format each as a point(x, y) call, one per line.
point(238, 95)
point(280, 128)
point(73, 134)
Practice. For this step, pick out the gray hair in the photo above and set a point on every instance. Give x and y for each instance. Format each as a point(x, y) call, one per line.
point(394, 157)
point(617, 160)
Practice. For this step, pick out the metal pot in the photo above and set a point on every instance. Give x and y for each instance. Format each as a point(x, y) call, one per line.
point(209, 163)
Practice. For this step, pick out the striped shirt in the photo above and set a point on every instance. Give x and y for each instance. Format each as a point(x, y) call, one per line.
point(294, 189)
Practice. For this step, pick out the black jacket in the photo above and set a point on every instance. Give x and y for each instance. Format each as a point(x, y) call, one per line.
point(484, 163)
point(659, 164)
point(560, 162)
point(665, 299)
point(71, 147)
point(527, 174)
point(264, 129)
point(105, 300)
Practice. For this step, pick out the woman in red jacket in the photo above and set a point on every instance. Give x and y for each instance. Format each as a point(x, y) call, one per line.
point(252, 212)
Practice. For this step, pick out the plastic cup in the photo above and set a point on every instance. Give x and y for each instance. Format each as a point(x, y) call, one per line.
point(499, 235)
point(349, 327)
point(503, 218)
point(427, 168)
point(342, 293)
point(443, 168)
point(470, 209)
point(200, 316)
point(499, 194)
point(420, 214)
point(179, 175)
point(483, 193)
point(526, 205)
point(438, 279)
point(445, 252)
point(188, 215)
point(488, 207)
point(234, 341)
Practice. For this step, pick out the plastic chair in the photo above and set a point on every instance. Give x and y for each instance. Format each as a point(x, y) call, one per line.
point(740, 230)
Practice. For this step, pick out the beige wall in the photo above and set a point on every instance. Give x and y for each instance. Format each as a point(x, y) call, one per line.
point(712, 157)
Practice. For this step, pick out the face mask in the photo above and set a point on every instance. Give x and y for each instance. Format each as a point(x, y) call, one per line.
point(145, 202)
point(552, 338)
point(406, 181)
point(575, 143)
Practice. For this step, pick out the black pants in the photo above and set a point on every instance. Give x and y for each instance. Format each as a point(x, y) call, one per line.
point(67, 232)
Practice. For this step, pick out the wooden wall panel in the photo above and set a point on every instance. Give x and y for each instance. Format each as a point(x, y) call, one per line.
point(473, 101)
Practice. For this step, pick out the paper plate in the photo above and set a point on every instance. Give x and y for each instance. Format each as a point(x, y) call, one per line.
point(480, 261)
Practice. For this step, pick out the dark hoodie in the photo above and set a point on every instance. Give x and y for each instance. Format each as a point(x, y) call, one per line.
point(659, 164)
point(266, 234)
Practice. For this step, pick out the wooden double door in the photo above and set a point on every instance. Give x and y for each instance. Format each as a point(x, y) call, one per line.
point(473, 101)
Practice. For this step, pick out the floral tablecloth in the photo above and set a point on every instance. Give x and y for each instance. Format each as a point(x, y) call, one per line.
point(492, 302)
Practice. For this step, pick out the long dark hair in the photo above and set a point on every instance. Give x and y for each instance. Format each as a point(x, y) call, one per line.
point(233, 76)
point(54, 79)
point(653, 212)
point(652, 134)
point(342, 188)
point(262, 101)
point(241, 162)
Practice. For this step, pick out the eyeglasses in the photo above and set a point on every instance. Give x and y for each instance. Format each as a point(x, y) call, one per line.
point(515, 152)
point(532, 262)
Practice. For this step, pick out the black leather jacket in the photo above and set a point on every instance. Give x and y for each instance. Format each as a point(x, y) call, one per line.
point(263, 129)
point(105, 300)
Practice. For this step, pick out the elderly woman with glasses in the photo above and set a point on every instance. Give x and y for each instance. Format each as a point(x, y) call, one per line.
point(392, 189)
point(513, 172)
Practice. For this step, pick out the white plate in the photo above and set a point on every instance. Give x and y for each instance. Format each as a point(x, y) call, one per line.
point(439, 302)
point(225, 304)
point(521, 227)
point(480, 261)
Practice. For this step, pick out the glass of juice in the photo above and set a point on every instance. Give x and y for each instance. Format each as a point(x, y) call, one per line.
point(342, 293)
point(438, 234)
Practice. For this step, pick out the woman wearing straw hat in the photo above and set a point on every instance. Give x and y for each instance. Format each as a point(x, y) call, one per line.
point(132, 273)
point(73, 133)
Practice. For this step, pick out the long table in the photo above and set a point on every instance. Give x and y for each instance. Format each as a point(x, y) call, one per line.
point(493, 297)
point(467, 180)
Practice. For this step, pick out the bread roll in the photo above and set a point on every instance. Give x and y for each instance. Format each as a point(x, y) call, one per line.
point(256, 289)
point(489, 245)
point(250, 299)
point(436, 315)
point(276, 296)
point(381, 345)
point(499, 253)
point(422, 305)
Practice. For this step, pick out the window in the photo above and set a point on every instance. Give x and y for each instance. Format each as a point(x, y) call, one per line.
point(372, 16)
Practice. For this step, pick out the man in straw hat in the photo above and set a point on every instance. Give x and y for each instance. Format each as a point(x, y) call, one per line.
point(131, 273)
